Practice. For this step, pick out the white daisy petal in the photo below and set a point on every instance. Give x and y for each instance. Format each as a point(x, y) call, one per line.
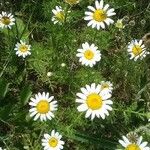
point(101, 4)
point(91, 8)
point(143, 144)
point(125, 139)
point(82, 96)
point(97, 4)
point(140, 140)
point(122, 143)
point(106, 7)
point(82, 107)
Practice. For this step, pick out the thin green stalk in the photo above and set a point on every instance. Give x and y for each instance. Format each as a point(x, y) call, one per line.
point(75, 121)
point(95, 35)
point(131, 111)
point(66, 14)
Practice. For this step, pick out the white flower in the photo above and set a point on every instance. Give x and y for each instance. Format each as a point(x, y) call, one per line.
point(59, 15)
point(63, 65)
point(6, 20)
point(137, 50)
point(49, 74)
point(100, 15)
point(94, 101)
point(42, 106)
point(108, 86)
point(52, 141)
point(89, 54)
point(139, 145)
point(22, 49)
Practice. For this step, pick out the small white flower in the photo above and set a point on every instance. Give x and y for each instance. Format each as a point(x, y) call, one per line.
point(49, 74)
point(63, 65)
point(22, 49)
point(52, 141)
point(137, 50)
point(26, 147)
point(89, 54)
point(6, 20)
point(99, 15)
point(42, 106)
point(59, 15)
point(139, 145)
point(108, 86)
point(94, 101)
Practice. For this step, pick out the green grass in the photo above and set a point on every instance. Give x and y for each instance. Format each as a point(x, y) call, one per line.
point(53, 45)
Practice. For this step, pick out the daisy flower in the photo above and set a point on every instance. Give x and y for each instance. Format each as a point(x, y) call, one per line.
point(99, 15)
point(52, 141)
point(106, 86)
point(88, 55)
point(63, 65)
point(72, 2)
point(95, 102)
point(22, 49)
point(43, 106)
point(137, 50)
point(59, 15)
point(138, 145)
point(6, 20)
point(49, 74)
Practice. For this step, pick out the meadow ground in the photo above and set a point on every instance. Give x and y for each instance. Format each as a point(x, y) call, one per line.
point(81, 71)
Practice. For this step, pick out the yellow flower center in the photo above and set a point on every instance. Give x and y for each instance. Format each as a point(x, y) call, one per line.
point(43, 107)
point(5, 20)
point(132, 147)
point(99, 15)
point(72, 1)
point(60, 16)
point(88, 54)
point(23, 48)
point(94, 101)
point(53, 142)
point(136, 50)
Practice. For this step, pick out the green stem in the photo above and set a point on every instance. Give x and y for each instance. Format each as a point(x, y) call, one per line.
point(75, 121)
point(95, 35)
point(131, 111)
point(66, 14)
